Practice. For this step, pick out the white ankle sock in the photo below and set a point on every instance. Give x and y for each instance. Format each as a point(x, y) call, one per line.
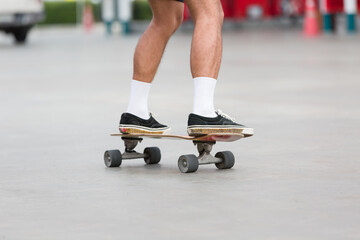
point(138, 103)
point(204, 89)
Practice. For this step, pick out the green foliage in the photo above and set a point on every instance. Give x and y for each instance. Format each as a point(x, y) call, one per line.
point(141, 10)
point(65, 12)
point(97, 12)
point(60, 12)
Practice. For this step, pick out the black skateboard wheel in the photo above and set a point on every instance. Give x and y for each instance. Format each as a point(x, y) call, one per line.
point(188, 163)
point(153, 155)
point(112, 158)
point(228, 160)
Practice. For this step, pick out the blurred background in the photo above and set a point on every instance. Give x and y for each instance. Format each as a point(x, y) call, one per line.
point(17, 17)
point(290, 70)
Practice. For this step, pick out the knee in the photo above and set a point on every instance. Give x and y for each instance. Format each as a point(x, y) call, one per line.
point(214, 18)
point(221, 16)
point(178, 19)
point(176, 22)
point(168, 25)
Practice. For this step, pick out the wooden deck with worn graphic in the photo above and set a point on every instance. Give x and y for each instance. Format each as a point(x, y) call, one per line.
point(223, 137)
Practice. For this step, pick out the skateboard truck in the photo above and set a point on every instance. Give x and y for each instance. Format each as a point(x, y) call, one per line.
point(204, 149)
point(113, 158)
point(130, 153)
point(190, 163)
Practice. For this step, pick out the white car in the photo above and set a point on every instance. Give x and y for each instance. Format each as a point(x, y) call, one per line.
point(17, 17)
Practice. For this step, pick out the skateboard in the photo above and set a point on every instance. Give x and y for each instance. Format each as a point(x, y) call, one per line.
point(186, 163)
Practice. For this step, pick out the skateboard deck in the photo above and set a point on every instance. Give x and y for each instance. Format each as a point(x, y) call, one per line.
point(213, 137)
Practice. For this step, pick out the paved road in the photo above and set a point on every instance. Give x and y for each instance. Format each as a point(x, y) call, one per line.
point(297, 178)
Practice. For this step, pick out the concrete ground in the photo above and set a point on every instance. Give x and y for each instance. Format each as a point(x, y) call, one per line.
point(297, 178)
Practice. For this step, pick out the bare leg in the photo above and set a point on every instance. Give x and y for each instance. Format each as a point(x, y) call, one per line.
point(206, 47)
point(206, 51)
point(167, 17)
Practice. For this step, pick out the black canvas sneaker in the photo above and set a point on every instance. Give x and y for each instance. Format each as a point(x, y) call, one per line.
point(198, 125)
point(130, 123)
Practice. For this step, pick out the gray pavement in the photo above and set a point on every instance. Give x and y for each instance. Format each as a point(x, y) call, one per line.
point(297, 178)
